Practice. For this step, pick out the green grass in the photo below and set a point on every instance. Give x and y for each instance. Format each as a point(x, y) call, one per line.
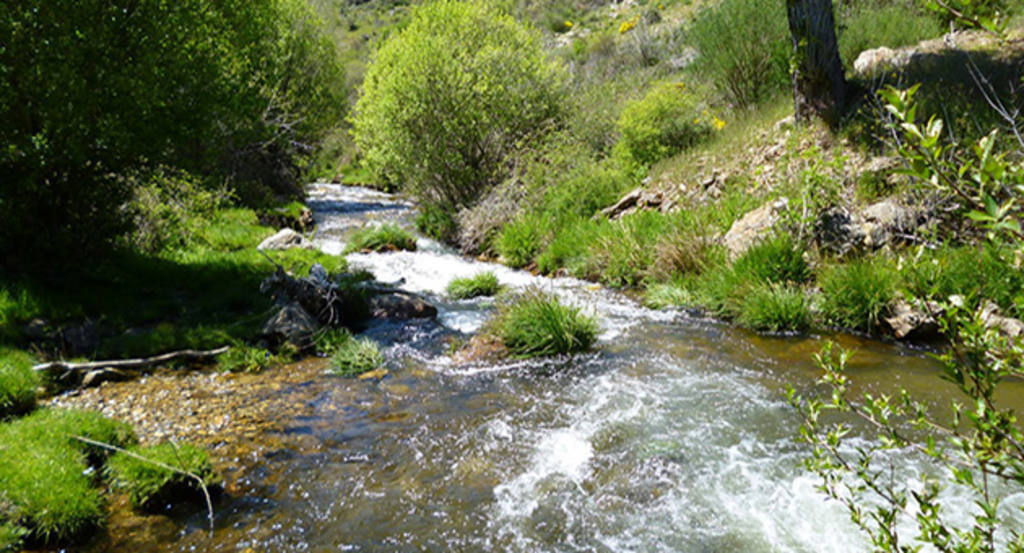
point(18, 382)
point(854, 295)
point(11, 537)
point(873, 23)
point(331, 340)
point(536, 324)
point(521, 240)
point(152, 487)
point(776, 259)
point(355, 356)
point(242, 358)
point(775, 308)
point(386, 237)
point(482, 284)
point(976, 272)
point(47, 489)
point(669, 294)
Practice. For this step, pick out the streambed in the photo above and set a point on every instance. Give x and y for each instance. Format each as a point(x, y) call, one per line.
point(673, 436)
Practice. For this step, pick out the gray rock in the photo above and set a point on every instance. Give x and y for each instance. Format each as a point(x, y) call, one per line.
point(1008, 326)
point(837, 230)
point(401, 305)
point(635, 200)
point(292, 323)
point(914, 321)
point(285, 239)
point(879, 60)
point(80, 339)
point(885, 220)
point(752, 227)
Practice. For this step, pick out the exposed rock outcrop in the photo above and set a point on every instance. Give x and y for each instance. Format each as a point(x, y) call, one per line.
point(635, 200)
point(914, 321)
point(752, 227)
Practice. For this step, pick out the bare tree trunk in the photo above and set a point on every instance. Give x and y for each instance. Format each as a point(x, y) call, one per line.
point(819, 85)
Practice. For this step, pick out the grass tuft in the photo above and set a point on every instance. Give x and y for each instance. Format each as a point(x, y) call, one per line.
point(855, 294)
point(246, 359)
point(152, 487)
point(778, 259)
point(483, 284)
point(536, 324)
point(355, 356)
point(775, 308)
point(386, 237)
point(18, 382)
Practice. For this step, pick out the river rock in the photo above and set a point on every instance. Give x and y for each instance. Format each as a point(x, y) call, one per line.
point(914, 321)
point(292, 323)
point(883, 221)
point(285, 239)
point(1008, 326)
point(401, 306)
point(753, 226)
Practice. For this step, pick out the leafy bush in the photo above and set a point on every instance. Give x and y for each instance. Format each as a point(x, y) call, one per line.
point(449, 96)
point(168, 208)
point(355, 356)
point(775, 308)
point(855, 294)
point(151, 486)
point(18, 382)
point(873, 23)
point(386, 237)
point(521, 240)
point(665, 121)
point(483, 284)
point(744, 48)
point(233, 103)
point(537, 324)
point(777, 259)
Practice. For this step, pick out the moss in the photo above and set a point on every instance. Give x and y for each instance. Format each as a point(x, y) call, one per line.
point(536, 324)
point(386, 237)
point(18, 382)
point(483, 284)
point(151, 486)
point(356, 356)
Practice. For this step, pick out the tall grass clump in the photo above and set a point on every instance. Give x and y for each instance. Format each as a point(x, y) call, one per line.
point(667, 120)
point(984, 272)
point(777, 259)
point(856, 294)
point(775, 308)
point(744, 48)
point(151, 486)
point(386, 237)
point(18, 382)
point(521, 240)
point(536, 324)
point(483, 284)
point(622, 252)
point(355, 356)
point(447, 98)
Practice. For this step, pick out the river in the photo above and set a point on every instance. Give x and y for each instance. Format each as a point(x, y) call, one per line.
point(673, 436)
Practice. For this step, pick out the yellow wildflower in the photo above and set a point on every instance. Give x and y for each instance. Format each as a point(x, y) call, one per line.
point(627, 25)
point(717, 123)
point(568, 24)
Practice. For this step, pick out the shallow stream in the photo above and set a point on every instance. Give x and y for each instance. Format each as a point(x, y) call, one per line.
point(673, 436)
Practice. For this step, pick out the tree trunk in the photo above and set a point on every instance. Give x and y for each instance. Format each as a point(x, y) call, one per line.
point(819, 85)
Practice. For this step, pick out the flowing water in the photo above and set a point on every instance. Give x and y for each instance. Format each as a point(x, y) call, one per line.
point(672, 436)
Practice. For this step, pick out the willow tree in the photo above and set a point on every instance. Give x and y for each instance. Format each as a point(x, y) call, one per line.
point(819, 85)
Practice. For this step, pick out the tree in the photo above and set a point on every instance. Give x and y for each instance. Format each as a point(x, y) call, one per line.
point(819, 84)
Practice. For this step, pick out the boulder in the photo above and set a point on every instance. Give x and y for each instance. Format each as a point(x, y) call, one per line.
point(753, 226)
point(80, 339)
point(285, 239)
point(401, 306)
point(292, 324)
point(883, 221)
point(914, 321)
point(882, 59)
point(1008, 326)
point(840, 230)
point(635, 200)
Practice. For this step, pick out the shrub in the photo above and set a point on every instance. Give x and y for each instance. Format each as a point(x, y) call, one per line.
point(151, 486)
point(18, 382)
point(872, 23)
point(448, 97)
point(386, 237)
point(744, 48)
point(775, 308)
point(356, 356)
point(537, 324)
point(483, 284)
point(855, 294)
point(521, 240)
point(664, 122)
point(777, 259)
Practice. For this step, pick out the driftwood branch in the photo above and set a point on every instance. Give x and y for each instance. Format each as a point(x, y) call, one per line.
point(191, 354)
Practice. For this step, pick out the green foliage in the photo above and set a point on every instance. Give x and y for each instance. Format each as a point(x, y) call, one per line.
point(668, 294)
point(855, 294)
point(331, 340)
point(483, 284)
point(447, 98)
point(775, 308)
point(242, 358)
point(569, 247)
point(521, 240)
point(777, 259)
point(95, 91)
point(168, 209)
point(11, 537)
point(151, 486)
point(984, 272)
point(355, 356)
point(665, 121)
point(622, 252)
point(384, 238)
point(744, 48)
point(536, 324)
point(47, 489)
point(869, 24)
point(18, 382)
point(437, 222)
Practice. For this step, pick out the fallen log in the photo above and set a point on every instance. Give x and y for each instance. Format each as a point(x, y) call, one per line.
point(190, 354)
